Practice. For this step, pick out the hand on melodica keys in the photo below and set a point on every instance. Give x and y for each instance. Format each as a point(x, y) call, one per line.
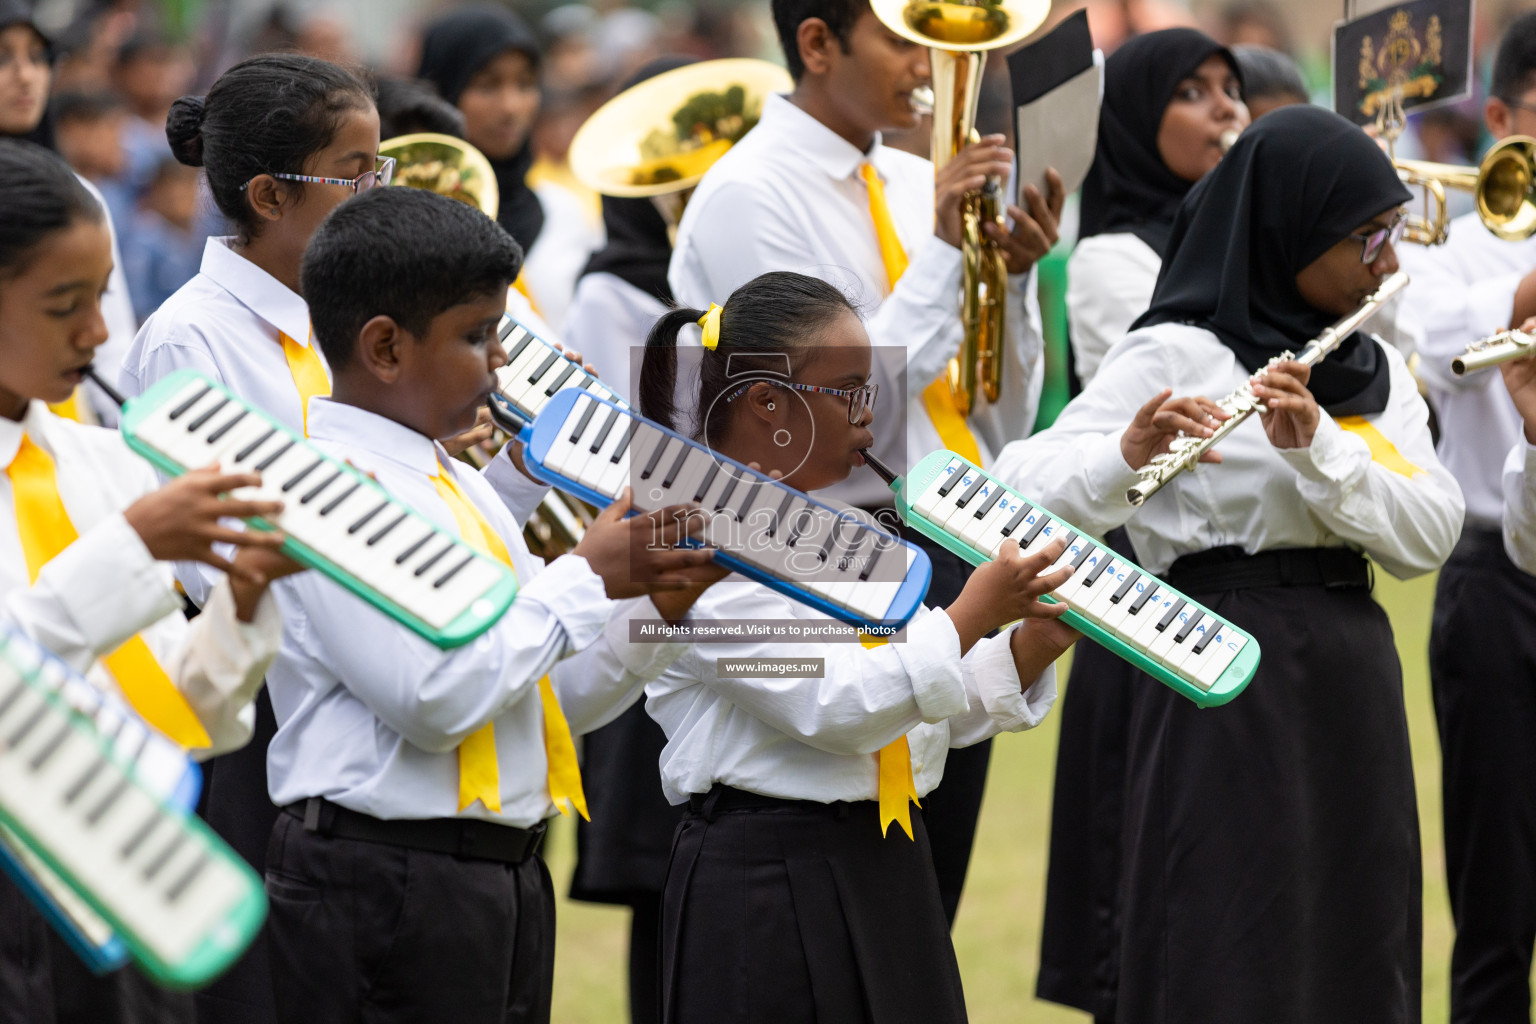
point(181, 522)
point(1009, 588)
point(640, 555)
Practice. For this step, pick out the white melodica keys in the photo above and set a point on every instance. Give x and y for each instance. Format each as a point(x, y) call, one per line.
point(971, 507)
point(760, 522)
point(535, 371)
point(330, 508)
point(139, 858)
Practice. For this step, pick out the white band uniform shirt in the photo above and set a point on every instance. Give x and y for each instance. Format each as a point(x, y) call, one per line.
point(227, 322)
point(1259, 497)
point(788, 196)
point(1462, 291)
point(816, 738)
point(1110, 278)
point(370, 715)
point(552, 265)
point(106, 586)
point(608, 319)
point(1520, 506)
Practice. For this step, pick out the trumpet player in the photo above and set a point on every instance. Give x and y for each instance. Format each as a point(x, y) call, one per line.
point(811, 189)
point(1481, 647)
point(1270, 859)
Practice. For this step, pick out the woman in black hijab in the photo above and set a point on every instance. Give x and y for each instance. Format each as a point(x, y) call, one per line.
point(489, 53)
point(1270, 851)
point(1169, 97)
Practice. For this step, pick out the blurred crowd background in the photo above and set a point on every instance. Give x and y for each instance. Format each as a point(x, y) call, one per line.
point(121, 63)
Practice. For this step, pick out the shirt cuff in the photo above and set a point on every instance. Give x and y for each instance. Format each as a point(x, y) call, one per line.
point(1332, 457)
point(575, 596)
point(110, 585)
point(931, 656)
point(224, 664)
point(645, 661)
point(518, 491)
point(1108, 475)
point(1010, 706)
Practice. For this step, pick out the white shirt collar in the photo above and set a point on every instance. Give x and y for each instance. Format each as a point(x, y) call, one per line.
point(258, 290)
point(377, 435)
point(34, 424)
point(828, 150)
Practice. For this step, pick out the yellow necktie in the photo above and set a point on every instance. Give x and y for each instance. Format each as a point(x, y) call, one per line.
point(45, 530)
point(69, 409)
point(479, 777)
point(308, 373)
point(937, 398)
point(898, 790)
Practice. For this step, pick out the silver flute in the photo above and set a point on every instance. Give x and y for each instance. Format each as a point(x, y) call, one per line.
point(1493, 350)
point(1185, 451)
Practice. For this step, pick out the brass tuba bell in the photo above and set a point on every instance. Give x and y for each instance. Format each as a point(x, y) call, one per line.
point(448, 166)
point(958, 34)
point(1503, 186)
point(656, 139)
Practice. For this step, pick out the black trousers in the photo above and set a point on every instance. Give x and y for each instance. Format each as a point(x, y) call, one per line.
point(366, 933)
point(952, 809)
point(236, 806)
point(1482, 660)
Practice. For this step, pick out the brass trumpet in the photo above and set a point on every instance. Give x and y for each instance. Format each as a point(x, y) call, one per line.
point(1503, 185)
point(958, 35)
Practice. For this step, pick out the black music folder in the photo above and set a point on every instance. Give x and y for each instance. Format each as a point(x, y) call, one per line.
point(1058, 82)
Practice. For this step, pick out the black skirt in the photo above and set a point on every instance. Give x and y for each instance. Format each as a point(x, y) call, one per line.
point(1079, 941)
point(780, 912)
point(621, 854)
point(1271, 863)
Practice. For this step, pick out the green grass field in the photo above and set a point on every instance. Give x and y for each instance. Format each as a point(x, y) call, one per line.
point(998, 933)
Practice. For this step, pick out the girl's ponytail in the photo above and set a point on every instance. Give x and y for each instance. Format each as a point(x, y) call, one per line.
point(658, 366)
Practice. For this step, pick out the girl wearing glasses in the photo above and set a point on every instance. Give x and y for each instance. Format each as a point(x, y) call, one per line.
point(783, 901)
point(283, 139)
point(1270, 859)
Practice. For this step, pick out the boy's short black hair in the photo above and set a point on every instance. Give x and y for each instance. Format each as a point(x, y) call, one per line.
point(1515, 66)
point(404, 253)
point(840, 16)
point(409, 106)
point(88, 107)
point(1267, 73)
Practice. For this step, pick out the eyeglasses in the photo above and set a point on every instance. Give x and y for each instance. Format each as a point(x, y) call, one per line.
point(860, 399)
point(376, 178)
point(1372, 242)
point(1518, 104)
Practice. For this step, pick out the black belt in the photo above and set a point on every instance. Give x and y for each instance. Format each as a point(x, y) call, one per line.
point(1230, 568)
point(722, 798)
point(462, 837)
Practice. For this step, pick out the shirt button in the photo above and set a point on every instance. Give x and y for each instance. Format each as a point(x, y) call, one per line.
point(919, 766)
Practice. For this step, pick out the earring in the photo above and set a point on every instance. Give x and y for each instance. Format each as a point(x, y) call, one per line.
point(771, 407)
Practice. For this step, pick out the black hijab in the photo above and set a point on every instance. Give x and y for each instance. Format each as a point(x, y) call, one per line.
point(638, 249)
point(455, 47)
point(19, 12)
point(1129, 188)
point(1297, 182)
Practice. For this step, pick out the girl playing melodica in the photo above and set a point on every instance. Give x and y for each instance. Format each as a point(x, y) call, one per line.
point(783, 901)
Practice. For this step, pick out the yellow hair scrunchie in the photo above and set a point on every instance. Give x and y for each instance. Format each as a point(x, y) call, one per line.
point(711, 323)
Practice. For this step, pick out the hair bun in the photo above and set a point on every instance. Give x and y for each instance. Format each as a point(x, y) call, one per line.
point(184, 130)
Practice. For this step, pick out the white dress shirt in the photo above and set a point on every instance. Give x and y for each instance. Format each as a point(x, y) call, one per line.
point(106, 587)
point(569, 236)
point(814, 739)
point(1462, 291)
point(224, 322)
point(117, 312)
point(1110, 278)
point(1520, 506)
point(608, 324)
point(788, 196)
point(370, 715)
point(1330, 494)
